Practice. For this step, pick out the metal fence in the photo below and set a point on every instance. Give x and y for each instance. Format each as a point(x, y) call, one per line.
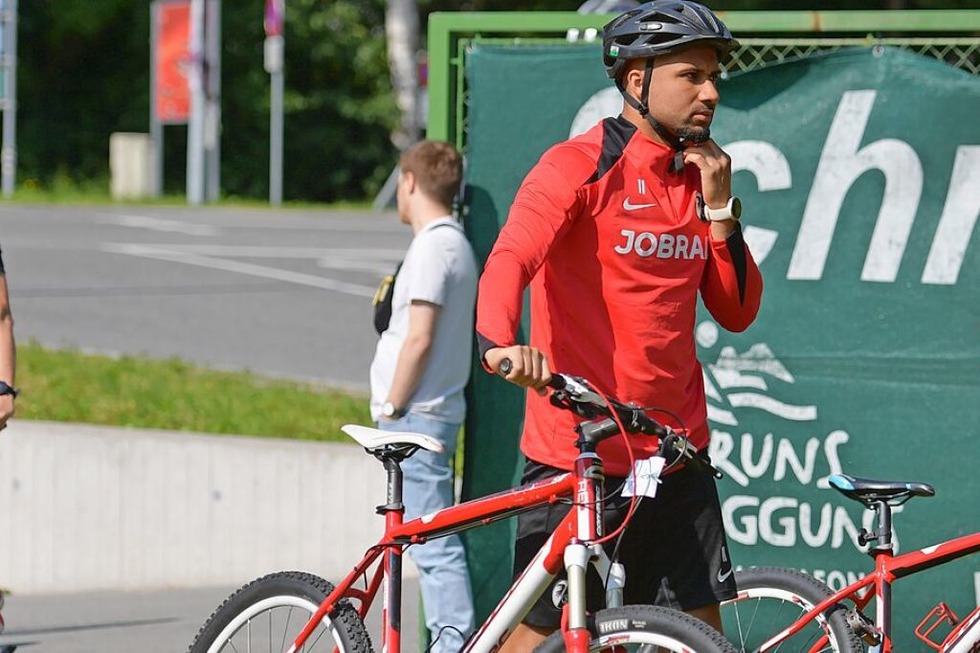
point(766, 38)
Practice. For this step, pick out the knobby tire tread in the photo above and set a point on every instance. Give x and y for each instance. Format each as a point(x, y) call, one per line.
point(692, 633)
point(346, 620)
point(811, 590)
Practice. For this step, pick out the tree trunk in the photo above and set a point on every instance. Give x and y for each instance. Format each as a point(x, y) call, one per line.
point(402, 30)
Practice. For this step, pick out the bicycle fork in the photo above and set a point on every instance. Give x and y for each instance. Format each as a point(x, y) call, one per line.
point(577, 558)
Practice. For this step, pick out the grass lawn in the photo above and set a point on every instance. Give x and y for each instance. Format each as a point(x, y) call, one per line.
point(140, 392)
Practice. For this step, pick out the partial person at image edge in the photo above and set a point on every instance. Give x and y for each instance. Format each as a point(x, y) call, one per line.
point(421, 367)
point(8, 352)
point(617, 232)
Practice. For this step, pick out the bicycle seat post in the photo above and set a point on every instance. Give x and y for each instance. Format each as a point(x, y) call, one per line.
point(391, 459)
point(883, 534)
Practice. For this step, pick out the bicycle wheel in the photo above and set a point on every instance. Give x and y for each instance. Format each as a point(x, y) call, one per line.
point(267, 614)
point(770, 599)
point(645, 629)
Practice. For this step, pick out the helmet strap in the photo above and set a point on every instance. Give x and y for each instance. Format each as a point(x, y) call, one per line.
point(643, 109)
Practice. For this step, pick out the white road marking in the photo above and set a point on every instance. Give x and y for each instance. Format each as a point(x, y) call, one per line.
point(160, 224)
point(188, 256)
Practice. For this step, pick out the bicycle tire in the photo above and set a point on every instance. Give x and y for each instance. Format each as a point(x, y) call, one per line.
point(644, 628)
point(268, 613)
point(770, 599)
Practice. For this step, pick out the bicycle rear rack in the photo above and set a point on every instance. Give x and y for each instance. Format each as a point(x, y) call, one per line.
point(939, 615)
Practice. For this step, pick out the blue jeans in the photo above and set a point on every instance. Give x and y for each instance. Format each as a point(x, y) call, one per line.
point(443, 575)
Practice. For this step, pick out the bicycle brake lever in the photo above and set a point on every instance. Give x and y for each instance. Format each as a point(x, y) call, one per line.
point(681, 446)
point(581, 393)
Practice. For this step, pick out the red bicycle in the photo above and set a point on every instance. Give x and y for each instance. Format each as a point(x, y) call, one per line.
point(295, 611)
point(784, 609)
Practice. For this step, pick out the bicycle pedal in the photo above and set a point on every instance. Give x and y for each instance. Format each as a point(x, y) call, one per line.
point(938, 616)
point(863, 627)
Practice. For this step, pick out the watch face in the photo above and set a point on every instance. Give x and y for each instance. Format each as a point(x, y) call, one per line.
point(736, 208)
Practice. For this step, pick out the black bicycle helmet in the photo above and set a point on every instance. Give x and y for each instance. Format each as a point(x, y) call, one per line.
point(659, 27)
point(653, 29)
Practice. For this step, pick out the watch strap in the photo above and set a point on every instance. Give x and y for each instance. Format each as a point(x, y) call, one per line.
point(731, 211)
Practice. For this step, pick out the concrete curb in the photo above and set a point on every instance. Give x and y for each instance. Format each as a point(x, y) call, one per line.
point(92, 507)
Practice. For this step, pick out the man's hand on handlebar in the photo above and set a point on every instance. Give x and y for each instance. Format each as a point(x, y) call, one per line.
point(527, 367)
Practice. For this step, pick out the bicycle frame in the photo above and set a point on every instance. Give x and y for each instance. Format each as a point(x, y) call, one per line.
point(878, 584)
point(571, 545)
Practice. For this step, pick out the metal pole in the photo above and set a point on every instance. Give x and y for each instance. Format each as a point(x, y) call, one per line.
point(156, 127)
point(212, 131)
point(274, 47)
point(8, 151)
point(195, 128)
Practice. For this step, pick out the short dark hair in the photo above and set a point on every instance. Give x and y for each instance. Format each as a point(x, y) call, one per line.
point(438, 169)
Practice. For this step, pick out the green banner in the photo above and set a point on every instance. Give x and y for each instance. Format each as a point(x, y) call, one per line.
point(859, 174)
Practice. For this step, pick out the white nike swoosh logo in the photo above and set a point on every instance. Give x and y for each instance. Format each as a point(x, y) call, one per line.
point(722, 577)
point(629, 206)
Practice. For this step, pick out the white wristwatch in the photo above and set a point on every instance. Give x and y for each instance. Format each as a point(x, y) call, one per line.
point(389, 410)
point(731, 211)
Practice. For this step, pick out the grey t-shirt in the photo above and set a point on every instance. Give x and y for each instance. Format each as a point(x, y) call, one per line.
point(440, 268)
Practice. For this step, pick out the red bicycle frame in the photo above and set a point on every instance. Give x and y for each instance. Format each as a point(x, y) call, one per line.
point(877, 585)
point(580, 530)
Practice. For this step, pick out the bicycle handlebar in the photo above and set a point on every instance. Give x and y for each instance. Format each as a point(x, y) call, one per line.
point(575, 394)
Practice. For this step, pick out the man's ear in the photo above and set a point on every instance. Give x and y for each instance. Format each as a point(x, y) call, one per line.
point(633, 80)
point(409, 179)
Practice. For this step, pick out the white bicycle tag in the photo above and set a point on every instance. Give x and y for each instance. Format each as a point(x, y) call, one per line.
point(645, 477)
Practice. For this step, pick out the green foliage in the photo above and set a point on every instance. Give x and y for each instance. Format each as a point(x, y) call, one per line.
point(83, 73)
point(138, 392)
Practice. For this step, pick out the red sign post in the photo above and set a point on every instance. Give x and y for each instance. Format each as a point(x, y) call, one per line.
point(173, 98)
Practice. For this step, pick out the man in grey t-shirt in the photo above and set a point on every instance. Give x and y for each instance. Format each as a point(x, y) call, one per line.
point(421, 366)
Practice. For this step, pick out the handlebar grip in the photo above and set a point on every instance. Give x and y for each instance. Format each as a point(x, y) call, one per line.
point(557, 381)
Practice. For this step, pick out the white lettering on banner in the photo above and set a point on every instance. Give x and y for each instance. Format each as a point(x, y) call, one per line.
point(836, 579)
point(749, 466)
point(777, 520)
point(958, 219)
point(789, 463)
point(841, 163)
point(764, 161)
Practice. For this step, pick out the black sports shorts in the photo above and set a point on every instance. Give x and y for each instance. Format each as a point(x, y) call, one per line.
point(674, 549)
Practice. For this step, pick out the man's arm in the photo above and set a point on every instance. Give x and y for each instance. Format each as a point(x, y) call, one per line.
point(8, 352)
point(414, 354)
point(732, 284)
point(544, 206)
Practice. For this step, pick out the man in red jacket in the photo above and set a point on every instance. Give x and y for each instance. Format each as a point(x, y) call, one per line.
point(616, 232)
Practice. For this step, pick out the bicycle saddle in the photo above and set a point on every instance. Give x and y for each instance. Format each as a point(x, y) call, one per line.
point(869, 491)
point(372, 439)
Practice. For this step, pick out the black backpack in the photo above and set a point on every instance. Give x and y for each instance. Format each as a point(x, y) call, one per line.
point(382, 301)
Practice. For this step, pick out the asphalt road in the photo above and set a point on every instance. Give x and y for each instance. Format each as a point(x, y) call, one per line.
point(148, 622)
point(284, 293)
